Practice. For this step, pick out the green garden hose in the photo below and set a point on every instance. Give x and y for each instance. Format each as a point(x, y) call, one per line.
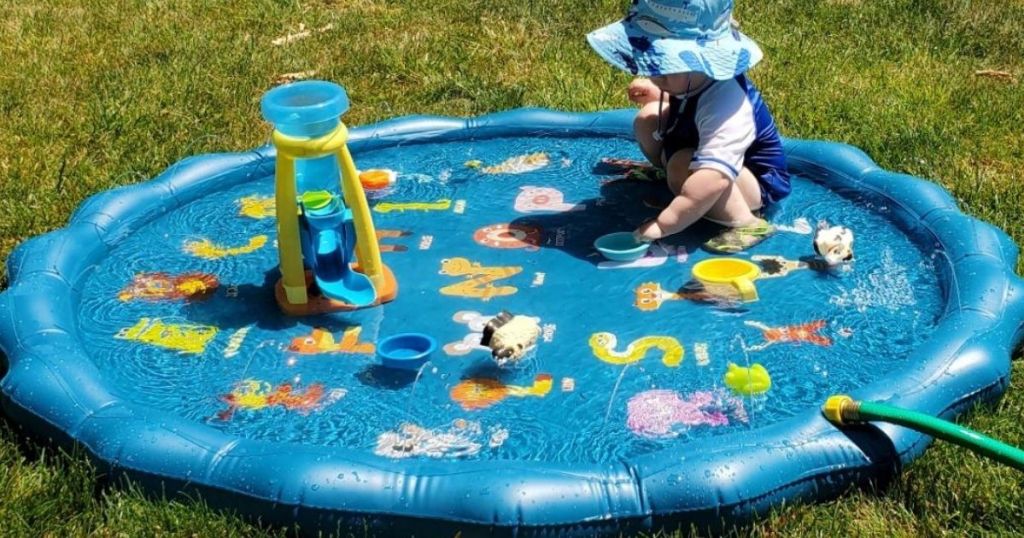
point(843, 409)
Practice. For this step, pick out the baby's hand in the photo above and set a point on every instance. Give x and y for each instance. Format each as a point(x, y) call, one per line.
point(648, 232)
point(643, 91)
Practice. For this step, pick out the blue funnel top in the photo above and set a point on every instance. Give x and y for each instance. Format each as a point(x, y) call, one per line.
point(309, 108)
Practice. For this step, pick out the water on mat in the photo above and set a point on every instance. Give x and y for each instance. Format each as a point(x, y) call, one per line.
point(231, 360)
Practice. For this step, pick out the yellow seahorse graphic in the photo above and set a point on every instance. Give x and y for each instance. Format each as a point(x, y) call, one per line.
point(257, 207)
point(209, 250)
point(478, 281)
point(603, 345)
point(387, 207)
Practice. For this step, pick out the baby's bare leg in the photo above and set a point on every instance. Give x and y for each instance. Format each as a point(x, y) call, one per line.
point(644, 127)
point(675, 181)
point(698, 192)
point(737, 204)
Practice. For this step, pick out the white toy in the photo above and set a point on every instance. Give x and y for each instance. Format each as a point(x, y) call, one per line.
point(510, 337)
point(833, 243)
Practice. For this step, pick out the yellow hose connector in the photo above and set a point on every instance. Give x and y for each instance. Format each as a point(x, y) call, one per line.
point(839, 407)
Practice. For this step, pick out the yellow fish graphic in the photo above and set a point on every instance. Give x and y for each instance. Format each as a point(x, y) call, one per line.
point(183, 337)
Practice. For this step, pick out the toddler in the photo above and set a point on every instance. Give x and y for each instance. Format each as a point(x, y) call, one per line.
point(701, 119)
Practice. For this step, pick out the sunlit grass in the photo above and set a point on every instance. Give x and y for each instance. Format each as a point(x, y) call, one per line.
point(98, 94)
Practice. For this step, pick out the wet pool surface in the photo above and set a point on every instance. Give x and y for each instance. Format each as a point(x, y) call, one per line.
point(226, 357)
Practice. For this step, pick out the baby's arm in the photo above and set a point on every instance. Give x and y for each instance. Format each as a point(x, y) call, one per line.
point(727, 128)
point(648, 120)
point(642, 91)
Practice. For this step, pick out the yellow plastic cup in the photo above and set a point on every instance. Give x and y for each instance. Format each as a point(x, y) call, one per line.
point(730, 274)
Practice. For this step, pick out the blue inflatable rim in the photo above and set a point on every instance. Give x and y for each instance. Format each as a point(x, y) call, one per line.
point(54, 389)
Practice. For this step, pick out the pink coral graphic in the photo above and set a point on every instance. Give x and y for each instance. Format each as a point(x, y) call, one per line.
point(655, 413)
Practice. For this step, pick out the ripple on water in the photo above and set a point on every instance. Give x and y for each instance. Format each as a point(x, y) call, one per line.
point(888, 286)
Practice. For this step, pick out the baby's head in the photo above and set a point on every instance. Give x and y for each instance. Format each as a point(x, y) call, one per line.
point(680, 83)
point(664, 38)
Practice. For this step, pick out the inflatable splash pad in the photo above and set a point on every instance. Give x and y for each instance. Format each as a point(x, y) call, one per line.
point(151, 331)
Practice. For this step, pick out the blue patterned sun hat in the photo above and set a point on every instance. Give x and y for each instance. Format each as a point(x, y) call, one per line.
point(662, 37)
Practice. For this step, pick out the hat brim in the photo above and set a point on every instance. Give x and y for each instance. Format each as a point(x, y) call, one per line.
point(630, 48)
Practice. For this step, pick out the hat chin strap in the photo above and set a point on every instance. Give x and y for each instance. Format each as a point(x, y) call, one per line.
point(660, 134)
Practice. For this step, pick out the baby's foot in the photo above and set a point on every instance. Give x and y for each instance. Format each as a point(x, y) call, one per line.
point(734, 240)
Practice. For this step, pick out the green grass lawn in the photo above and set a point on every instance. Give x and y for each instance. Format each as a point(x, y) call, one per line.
point(96, 94)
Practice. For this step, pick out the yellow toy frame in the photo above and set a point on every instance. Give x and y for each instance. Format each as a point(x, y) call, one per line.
point(294, 280)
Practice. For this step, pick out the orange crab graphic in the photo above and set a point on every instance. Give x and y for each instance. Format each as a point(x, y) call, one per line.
point(322, 341)
point(803, 332)
point(166, 287)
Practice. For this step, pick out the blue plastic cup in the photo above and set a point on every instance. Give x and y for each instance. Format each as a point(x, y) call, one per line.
point(407, 351)
point(620, 247)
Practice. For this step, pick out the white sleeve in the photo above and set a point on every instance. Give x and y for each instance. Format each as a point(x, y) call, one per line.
point(725, 121)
